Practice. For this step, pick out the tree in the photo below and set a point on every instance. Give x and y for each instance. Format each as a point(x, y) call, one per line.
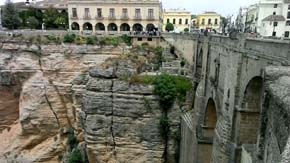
point(60, 22)
point(32, 22)
point(169, 27)
point(49, 17)
point(186, 30)
point(31, 12)
point(224, 24)
point(10, 17)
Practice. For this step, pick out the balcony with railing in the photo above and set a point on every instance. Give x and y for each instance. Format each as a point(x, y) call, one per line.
point(99, 17)
point(137, 17)
point(150, 17)
point(74, 17)
point(124, 17)
point(87, 17)
point(112, 17)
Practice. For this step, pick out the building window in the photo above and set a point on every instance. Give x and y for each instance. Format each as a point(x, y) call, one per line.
point(87, 12)
point(288, 7)
point(274, 34)
point(274, 13)
point(173, 21)
point(216, 22)
point(186, 21)
point(288, 23)
point(150, 13)
point(139, 38)
point(168, 21)
point(275, 24)
point(288, 15)
point(180, 21)
point(209, 22)
point(286, 34)
point(112, 13)
point(99, 13)
point(275, 5)
point(138, 13)
point(74, 12)
point(124, 13)
point(149, 39)
point(203, 21)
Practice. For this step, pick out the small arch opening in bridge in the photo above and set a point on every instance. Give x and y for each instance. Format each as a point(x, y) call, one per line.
point(100, 27)
point(205, 145)
point(198, 68)
point(87, 26)
point(249, 116)
point(75, 26)
point(210, 119)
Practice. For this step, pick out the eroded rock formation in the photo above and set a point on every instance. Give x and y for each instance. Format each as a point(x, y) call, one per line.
point(48, 89)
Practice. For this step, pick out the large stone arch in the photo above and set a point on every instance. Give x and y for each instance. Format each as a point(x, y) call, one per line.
point(247, 118)
point(250, 111)
point(100, 27)
point(125, 27)
point(112, 27)
point(137, 27)
point(87, 26)
point(75, 26)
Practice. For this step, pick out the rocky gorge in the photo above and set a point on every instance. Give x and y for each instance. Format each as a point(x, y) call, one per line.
point(57, 99)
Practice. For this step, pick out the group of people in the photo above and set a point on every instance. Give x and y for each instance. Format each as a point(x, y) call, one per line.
point(146, 33)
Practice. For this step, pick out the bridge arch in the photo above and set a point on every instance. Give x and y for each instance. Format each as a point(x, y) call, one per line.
point(249, 116)
point(205, 145)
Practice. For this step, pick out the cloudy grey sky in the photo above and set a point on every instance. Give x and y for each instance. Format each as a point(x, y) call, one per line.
point(224, 7)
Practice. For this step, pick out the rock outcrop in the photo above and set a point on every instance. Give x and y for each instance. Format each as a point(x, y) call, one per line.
point(46, 90)
point(275, 133)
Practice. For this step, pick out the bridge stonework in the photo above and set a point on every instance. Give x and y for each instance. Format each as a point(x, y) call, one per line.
point(228, 114)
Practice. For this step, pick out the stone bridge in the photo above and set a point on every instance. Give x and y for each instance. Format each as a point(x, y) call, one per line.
point(231, 120)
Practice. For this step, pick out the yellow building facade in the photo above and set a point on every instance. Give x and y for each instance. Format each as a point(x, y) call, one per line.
point(111, 16)
point(180, 18)
point(209, 20)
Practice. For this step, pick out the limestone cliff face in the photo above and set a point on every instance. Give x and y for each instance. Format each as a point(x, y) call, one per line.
point(275, 134)
point(46, 90)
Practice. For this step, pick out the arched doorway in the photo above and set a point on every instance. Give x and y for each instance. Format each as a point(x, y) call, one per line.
point(75, 26)
point(87, 26)
point(205, 143)
point(125, 27)
point(150, 27)
point(112, 27)
point(137, 27)
point(100, 27)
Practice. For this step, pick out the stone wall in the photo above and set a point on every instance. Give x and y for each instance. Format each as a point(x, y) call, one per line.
point(230, 72)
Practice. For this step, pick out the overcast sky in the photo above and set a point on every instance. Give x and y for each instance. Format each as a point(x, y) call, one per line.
point(223, 7)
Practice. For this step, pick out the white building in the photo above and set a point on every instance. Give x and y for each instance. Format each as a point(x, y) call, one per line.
point(268, 18)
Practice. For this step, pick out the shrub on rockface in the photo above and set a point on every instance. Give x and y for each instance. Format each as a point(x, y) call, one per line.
point(69, 38)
